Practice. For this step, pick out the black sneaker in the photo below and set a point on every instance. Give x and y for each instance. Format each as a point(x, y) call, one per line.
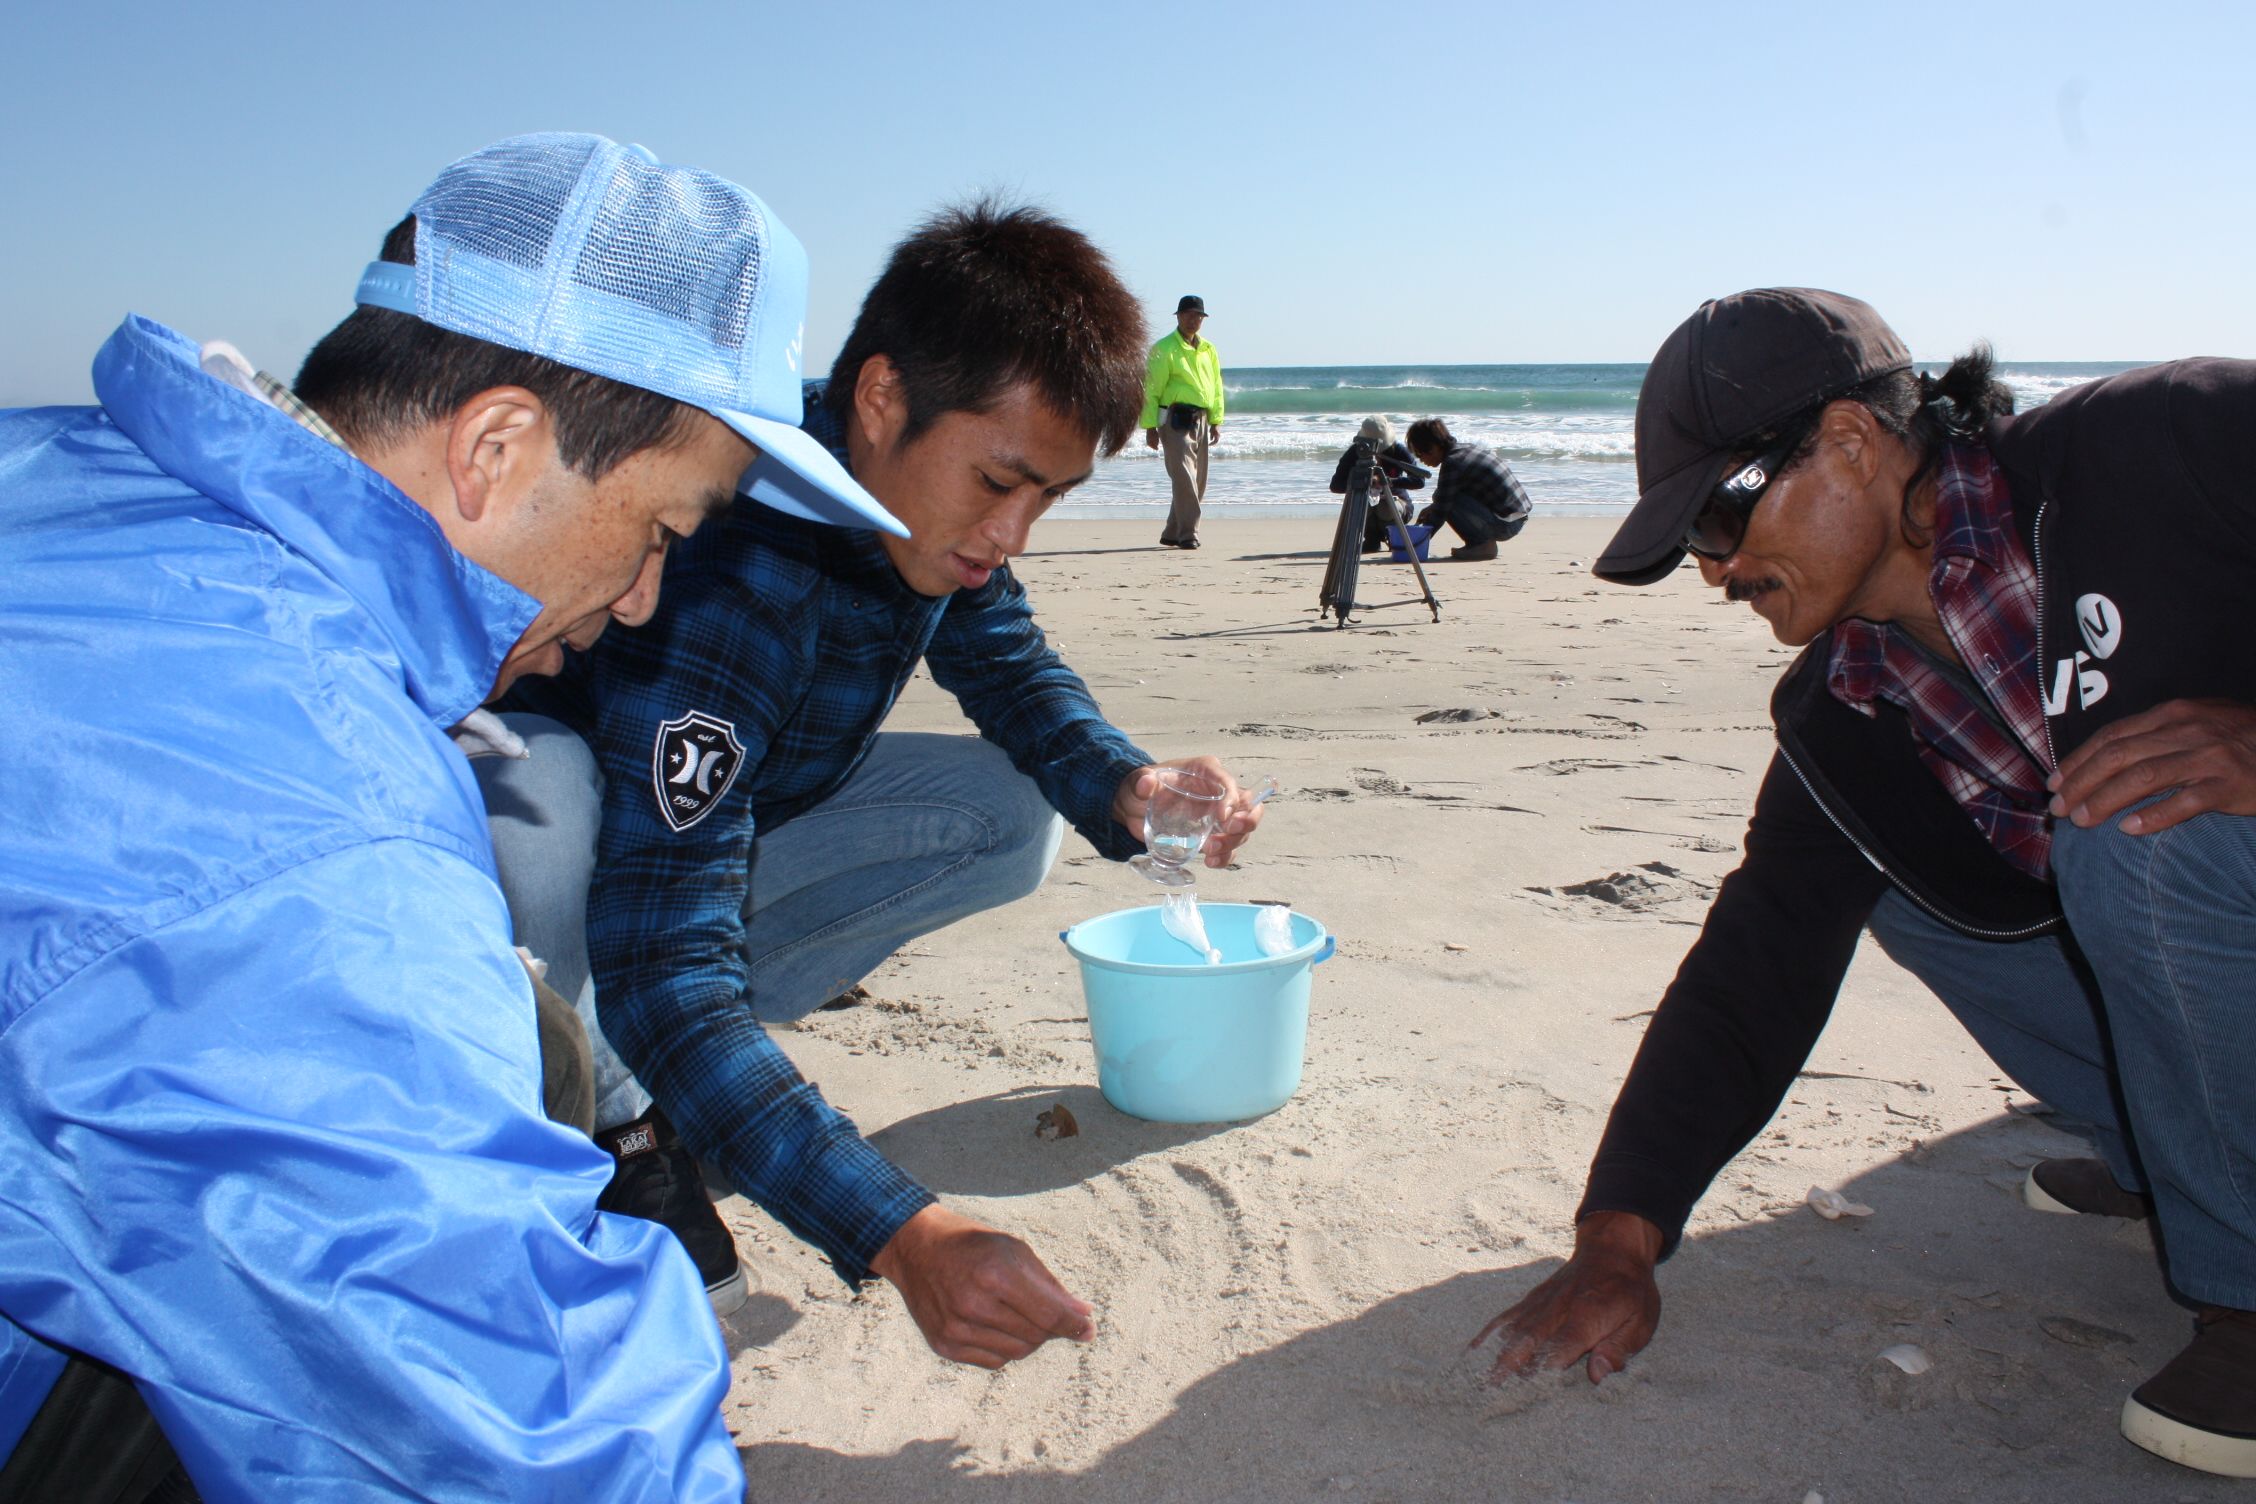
point(2200, 1410)
point(2082, 1187)
point(658, 1180)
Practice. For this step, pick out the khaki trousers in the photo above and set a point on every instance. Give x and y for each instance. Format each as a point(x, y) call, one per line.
point(1184, 451)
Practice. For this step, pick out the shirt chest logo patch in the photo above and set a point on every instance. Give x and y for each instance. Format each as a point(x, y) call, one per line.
point(696, 758)
point(2101, 624)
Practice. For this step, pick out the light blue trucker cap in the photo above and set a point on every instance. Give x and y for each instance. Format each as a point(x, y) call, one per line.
point(600, 257)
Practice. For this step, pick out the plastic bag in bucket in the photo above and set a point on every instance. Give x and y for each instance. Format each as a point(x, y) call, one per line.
point(1180, 1041)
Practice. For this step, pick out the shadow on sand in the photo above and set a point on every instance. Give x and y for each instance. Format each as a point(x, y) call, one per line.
point(1764, 1383)
point(986, 1146)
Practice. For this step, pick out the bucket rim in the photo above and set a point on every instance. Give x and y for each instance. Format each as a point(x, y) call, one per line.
point(1297, 954)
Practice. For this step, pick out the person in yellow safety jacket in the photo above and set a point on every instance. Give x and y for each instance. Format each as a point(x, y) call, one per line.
point(1183, 416)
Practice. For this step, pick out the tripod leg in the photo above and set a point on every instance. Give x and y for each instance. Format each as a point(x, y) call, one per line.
point(1338, 594)
point(1330, 589)
point(1432, 604)
point(1347, 552)
point(1401, 514)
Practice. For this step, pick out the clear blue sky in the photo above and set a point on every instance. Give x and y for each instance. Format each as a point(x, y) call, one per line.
point(1412, 182)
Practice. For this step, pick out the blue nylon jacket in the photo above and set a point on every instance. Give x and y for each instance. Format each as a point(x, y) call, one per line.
point(271, 1136)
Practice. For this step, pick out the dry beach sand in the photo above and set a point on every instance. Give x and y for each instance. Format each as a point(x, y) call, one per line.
point(1284, 1303)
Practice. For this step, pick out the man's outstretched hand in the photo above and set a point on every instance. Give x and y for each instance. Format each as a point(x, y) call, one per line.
point(978, 1295)
point(1600, 1307)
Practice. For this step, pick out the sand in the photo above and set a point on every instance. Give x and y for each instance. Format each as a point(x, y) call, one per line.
point(1284, 1303)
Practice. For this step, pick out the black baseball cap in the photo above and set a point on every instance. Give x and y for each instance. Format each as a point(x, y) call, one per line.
point(1733, 369)
point(1191, 304)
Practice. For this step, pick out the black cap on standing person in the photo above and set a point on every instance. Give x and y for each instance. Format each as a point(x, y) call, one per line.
point(1735, 368)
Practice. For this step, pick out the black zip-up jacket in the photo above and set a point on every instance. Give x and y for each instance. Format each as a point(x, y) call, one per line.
point(2136, 497)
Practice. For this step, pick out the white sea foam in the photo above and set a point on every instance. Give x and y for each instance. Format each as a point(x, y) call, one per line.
point(1567, 431)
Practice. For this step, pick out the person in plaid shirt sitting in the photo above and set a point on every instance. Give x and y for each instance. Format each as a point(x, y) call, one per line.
point(711, 833)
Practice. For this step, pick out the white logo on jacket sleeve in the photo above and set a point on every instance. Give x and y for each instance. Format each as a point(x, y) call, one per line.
point(2101, 624)
point(695, 760)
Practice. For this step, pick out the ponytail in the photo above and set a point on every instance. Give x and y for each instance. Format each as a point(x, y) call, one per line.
point(1960, 403)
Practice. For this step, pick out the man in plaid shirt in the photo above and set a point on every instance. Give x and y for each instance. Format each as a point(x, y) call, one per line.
point(1475, 492)
point(757, 845)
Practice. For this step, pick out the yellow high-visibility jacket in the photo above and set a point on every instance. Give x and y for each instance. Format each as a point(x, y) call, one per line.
point(1178, 373)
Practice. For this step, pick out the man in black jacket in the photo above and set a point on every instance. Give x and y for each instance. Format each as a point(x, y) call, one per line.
point(2020, 746)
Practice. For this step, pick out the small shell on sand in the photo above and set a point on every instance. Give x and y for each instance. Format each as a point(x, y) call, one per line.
point(1833, 1206)
point(1453, 945)
point(1910, 1359)
point(1056, 1122)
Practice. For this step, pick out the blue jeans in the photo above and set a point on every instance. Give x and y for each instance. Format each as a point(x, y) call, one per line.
point(1474, 523)
point(928, 830)
point(2138, 1022)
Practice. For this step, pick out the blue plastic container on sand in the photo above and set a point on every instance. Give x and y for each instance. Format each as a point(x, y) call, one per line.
point(1400, 547)
point(1180, 1041)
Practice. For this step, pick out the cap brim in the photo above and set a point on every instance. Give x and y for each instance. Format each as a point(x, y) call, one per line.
point(796, 474)
point(1650, 542)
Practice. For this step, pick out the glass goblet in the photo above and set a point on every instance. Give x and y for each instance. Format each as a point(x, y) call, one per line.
point(1185, 808)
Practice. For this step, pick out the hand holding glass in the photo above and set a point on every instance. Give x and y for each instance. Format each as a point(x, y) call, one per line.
point(1185, 808)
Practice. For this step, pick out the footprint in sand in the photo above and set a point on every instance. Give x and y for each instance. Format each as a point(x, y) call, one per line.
point(1651, 886)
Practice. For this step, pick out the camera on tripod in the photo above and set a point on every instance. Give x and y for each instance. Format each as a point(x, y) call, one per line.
point(1368, 473)
point(1390, 468)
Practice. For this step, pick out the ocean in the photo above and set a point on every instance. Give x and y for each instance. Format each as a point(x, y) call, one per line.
point(1566, 429)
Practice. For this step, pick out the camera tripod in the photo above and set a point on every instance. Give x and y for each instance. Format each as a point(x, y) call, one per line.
point(1338, 595)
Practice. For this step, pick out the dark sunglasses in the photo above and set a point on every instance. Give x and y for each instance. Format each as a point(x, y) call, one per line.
point(1722, 522)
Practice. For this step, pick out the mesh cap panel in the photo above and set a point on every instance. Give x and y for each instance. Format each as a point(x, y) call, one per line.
point(509, 201)
point(683, 244)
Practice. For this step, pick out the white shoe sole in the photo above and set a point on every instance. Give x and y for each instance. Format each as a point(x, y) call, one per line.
point(2188, 1446)
point(730, 1294)
point(2036, 1198)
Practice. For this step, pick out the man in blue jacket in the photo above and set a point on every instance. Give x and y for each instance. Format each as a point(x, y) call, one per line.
point(271, 1141)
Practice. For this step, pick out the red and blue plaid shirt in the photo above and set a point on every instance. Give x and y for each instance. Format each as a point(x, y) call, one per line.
point(1987, 749)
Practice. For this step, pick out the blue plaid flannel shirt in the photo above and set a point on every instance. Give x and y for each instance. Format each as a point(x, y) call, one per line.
point(1475, 473)
point(799, 637)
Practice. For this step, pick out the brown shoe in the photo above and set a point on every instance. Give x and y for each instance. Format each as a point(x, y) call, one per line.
point(1474, 553)
point(2082, 1187)
point(2200, 1410)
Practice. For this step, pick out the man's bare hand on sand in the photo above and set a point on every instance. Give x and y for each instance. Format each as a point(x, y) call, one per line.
point(978, 1295)
point(1600, 1307)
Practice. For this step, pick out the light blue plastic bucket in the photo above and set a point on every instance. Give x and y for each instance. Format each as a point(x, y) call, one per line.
point(1179, 1041)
